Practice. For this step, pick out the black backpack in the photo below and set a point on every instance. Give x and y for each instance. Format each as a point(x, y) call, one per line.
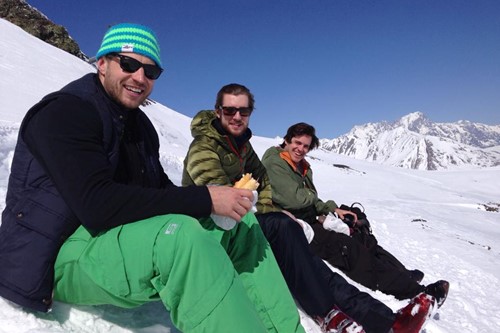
point(362, 230)
point(362, 223)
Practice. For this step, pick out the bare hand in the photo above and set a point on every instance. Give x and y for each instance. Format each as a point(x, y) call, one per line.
point(342, 212)
point(231, 202)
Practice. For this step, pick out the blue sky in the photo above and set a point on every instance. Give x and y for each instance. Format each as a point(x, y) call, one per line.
point(331, 63)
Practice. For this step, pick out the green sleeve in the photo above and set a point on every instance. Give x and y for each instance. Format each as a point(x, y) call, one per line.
point(288, 189)
point(323, 208)
point(258, 171)
point(203, 165)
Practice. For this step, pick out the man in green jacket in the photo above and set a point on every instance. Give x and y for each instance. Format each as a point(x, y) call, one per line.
point(293, 189)
point(220, 154)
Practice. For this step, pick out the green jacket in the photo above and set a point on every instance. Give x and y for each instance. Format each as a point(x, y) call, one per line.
point(294, 190)
point(214, 158)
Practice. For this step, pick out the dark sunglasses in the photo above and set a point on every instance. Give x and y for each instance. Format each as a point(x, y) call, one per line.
point(131, 65)
point(231, 111)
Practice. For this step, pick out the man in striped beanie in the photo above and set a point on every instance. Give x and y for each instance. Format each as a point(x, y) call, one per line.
point(92, 218)
point(135, 50)
point(130, 38)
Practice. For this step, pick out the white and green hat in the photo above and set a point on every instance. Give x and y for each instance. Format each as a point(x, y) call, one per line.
point(131, 38)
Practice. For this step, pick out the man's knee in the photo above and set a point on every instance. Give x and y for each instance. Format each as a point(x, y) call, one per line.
point(182, 238)
point(280, 229)
point(182, 231)
point(184, 250)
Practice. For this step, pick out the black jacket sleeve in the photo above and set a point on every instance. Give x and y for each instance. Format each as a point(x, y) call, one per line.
point(66, 138)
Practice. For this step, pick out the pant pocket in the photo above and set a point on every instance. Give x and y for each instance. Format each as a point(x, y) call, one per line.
point(110, 269)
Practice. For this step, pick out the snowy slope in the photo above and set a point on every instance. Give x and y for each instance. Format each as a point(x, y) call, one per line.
point(434, 221)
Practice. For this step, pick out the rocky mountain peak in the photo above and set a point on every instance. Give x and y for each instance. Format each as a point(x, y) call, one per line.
point(413, 121)
point(20, 13)
point(415, 142)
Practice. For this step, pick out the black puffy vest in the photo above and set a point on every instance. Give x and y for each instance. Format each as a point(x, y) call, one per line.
point(36, 221)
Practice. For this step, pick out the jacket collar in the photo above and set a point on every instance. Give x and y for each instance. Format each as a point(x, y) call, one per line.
point(206, 123)
point(240, 140)
point(301, 169)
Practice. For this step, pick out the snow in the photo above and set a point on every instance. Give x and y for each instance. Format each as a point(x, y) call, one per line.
point(415, 142)
point(434, 221)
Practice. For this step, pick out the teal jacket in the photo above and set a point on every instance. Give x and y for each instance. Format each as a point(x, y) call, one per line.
point(293, 189)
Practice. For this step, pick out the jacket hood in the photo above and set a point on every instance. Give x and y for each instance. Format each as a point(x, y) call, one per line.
point(201, 124)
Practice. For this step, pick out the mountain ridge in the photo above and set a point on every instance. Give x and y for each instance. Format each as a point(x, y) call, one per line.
point(415, 142)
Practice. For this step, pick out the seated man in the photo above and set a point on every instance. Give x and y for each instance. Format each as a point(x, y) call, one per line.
point(92, 218)
point(293, 189)
point(220, 154)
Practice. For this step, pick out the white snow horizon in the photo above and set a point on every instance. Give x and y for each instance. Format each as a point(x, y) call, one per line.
point(435, 221)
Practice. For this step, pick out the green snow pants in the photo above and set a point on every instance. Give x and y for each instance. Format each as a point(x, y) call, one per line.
point(209, 279)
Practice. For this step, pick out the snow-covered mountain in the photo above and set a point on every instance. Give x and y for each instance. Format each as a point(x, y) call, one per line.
point(417, 143)
point(444, 223)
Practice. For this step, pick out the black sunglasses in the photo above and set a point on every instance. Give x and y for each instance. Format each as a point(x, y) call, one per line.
point(231, 110)
point(131, 65)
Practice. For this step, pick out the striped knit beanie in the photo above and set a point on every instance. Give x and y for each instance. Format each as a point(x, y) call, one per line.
point(128, 37)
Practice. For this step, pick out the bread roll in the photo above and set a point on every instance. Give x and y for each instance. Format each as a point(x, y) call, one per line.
point(247, 182)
